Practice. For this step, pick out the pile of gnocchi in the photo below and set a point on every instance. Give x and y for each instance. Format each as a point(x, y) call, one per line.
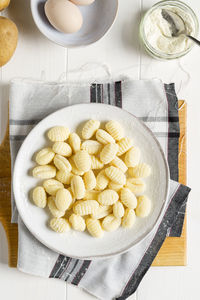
point(95, 182)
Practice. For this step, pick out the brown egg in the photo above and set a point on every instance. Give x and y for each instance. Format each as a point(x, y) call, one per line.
point(4, 4)
point(63, 15)
point(82, 2)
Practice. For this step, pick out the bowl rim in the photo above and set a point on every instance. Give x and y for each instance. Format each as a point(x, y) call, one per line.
point(132, 245)
point(80, 45)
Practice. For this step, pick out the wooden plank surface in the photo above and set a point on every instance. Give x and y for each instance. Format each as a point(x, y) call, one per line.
point(173, 251)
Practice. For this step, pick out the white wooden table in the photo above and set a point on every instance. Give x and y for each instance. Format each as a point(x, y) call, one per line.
point(36, 57)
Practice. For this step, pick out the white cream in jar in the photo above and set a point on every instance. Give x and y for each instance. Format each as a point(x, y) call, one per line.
point(158, 33)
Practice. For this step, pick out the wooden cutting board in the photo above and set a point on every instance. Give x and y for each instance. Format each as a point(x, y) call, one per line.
point(173, 251)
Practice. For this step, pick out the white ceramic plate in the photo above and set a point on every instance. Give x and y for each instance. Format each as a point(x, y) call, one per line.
point(97, 20)
point(82, 245)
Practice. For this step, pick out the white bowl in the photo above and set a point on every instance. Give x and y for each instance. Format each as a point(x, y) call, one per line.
point(97, 20)
point(81, 244)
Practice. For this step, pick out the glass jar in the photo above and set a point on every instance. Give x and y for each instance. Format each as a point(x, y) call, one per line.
point(174, 4)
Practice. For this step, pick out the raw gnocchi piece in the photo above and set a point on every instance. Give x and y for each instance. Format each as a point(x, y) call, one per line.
point(82, 160)
point(62, 163)
point(104, 137)
point(96, 163)
point(108, 197)
point(108, 153)
point(94, 227)
point(143, 206)
point(136, 185)
point(118, 209)
point(89, 180)
point(75, 171)
point(114, 186)
point(59, 225)
point(85, 207)
point(132, 157)
point(91, 195)
point(75, 142)
point(118, 163)
point(62, 148)
point(129, 218)
point(39, 196)
point(53, 209)
point(44, 156)
point(124, 145)
point(115, 129)
point(63, 199)
point(110, 223)
point(128, 198)
point(51, 186)
point(101, 181)
point(140, 171)
point(78, 187)
point(92, 147)
point(58, 134)
point(77, 222)
point(64, 176)
point(89, 129)
point(102, 212)
point(115, 175)
point(44, 172)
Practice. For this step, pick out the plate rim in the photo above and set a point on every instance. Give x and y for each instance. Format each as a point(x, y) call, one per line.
point(99, 256)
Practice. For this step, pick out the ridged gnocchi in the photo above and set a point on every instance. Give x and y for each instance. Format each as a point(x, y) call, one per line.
point(39, 196)
point(140, 171)
point(89, 180)
point(75, 142)
point(128, 198)
point(143, 208)
point(115, 129)
point(62, 148)
point(115, 175)
point(124, 145)
point(132, 157)
point(77, 222)
point(51, 186)
point(108, 197)
point(108, 153)
point(104, 137)
point(94, 227)
point(82, 160)
point(59, 225)
point(95, 184)
point(129, 218)
point(58, 134)
point(86, 207)
point(111, 223)
point(90, 128)
point(92, 147)
point(101, 181)
point(44, 156)
point(78, 187)
point(62, 163)
point(44, 172)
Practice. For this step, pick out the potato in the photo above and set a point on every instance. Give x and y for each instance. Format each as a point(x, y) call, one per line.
point(4, 4)
point(8, 39)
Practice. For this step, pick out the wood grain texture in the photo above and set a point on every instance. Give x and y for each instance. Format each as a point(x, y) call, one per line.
point(173, 251)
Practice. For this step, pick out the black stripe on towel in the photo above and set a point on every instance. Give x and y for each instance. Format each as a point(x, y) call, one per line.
point(93, 93)
point(24, 122)
point(173, 130)
point(79, 275)
point(59, 267)
point(179, 198)
point(118, 94)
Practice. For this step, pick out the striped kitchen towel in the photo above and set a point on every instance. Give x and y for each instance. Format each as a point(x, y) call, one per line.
point(151, 101)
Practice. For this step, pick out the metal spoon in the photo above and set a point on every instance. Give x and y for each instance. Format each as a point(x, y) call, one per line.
point(177, 25)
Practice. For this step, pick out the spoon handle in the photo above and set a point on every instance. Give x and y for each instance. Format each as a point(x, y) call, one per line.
point(194, 40)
